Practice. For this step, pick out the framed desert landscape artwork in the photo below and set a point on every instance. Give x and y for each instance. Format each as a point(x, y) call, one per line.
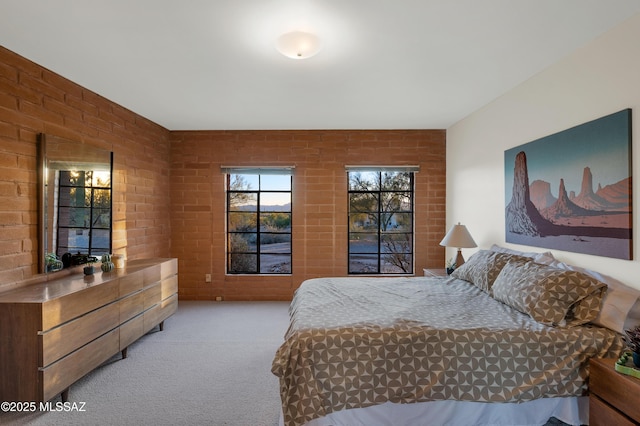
point(571, 190)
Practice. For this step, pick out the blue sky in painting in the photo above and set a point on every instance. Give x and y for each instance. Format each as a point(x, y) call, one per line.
point(603, 145)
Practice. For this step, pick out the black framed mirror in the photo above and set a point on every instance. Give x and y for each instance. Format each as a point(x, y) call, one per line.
point(75, 203)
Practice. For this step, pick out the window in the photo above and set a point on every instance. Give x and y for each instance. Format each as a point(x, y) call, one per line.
point(84, 212)
point(380, 221)
point(259, 221)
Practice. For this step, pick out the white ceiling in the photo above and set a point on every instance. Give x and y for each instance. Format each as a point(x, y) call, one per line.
point(385, 64)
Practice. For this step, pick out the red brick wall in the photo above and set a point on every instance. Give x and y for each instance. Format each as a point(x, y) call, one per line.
point(35, 100)
point(169, 192)
point(319, 201)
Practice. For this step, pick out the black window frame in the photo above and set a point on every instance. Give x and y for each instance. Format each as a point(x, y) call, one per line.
point(380, 233)
point(64, 227)
point(259, 232)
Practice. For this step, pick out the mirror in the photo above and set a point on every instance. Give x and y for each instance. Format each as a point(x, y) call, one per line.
point(74, 203)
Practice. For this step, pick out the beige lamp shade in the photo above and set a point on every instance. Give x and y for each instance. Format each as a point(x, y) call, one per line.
point(298, 45)
point(459, 237)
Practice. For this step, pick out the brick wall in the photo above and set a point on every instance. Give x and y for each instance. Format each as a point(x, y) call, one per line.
point(319, 201)
point(169, 192)
point(35, 100)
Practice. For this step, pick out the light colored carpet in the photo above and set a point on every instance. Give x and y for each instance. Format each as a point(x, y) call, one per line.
point(210, 366)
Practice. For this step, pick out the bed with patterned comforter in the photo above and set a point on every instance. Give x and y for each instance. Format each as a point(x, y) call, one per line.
point(356, 342)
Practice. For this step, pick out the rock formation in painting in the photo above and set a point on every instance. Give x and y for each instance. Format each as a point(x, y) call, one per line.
point(540, 192)
point(521, 215)
point(564, 207)
point(587, 198)
point(617, 195)
point(564, 216)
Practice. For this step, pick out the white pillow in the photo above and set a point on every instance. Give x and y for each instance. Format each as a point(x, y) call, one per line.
point(545, 258)
point(621, 304)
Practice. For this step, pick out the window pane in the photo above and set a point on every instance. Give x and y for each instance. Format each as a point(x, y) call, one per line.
point(275, 201)
point(396, 201)
point(102, 198)
point(240, 182)
point(396, 181)
point(275, 242)
point(75, 197)
point(243, 201)
point(242, 221)
point(101, 218)
point(363, 243)
point(100, 241)
point(363, 264)
point(101, 179)
point(364, 181)
point(243, 263)
point(396, 243)
point(396, 264)
point(75, 239)
point(73, 217)
point(275, 264)
point(363, 202)
point(242, 242)
point(276, 221)
point(275, 182)
point(396, 222)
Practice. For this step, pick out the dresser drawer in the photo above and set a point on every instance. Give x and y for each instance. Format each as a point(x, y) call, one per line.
point(68, 337)
point(63, 309)
point(131, 331)
point(602, 414)
point(131, 306)
point(131, 283)
point(60, 375)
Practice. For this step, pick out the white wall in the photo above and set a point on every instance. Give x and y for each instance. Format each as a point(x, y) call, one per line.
point(601, 78)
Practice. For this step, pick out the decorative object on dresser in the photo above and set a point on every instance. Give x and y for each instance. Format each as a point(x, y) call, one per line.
point(88, 270)
point(613, 398)
point(55, 332)
point(632, 340)
point(107, 264)
point(459, 237)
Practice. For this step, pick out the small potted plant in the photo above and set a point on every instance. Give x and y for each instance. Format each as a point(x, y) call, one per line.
point(53, 263)
point(88, 268)
point(451, 266)
point(632, 340)
point(107, 264)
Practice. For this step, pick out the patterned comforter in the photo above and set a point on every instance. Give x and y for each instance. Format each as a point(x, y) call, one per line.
point(356, 342)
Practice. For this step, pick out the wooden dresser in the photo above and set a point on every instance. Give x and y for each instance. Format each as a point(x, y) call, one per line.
point(54, 333)
point(614, 398)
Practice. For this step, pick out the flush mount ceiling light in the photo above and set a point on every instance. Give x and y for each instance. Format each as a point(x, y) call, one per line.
point(298, 44)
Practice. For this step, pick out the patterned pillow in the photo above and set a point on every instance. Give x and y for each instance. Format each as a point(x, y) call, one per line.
point(483, 268)
point(550, 296)
point(587, 309)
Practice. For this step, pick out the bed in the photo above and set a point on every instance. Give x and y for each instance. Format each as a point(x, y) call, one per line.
point(504, 340)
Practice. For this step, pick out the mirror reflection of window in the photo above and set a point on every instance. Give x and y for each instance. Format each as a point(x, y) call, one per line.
point(83, 217)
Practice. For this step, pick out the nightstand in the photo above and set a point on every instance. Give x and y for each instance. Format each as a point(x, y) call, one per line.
point(435, 272)
point(614, 398)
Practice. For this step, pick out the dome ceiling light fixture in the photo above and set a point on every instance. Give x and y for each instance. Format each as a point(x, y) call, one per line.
point(298, 44)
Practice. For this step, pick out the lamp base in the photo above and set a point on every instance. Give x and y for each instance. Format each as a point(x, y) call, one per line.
point(459, 259)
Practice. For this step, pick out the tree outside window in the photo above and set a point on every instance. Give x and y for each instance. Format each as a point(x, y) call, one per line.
point(380, 222)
